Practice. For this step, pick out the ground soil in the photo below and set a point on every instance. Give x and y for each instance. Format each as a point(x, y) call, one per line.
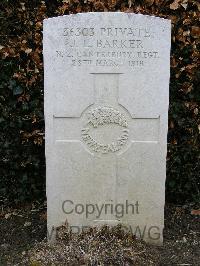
point(23, 242)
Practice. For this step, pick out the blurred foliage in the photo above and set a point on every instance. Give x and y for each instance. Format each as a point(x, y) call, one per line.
point(22, 162)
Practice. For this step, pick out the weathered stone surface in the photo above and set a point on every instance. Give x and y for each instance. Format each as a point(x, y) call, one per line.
point(106, 115)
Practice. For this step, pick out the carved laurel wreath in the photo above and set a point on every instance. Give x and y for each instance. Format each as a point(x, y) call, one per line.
point(101, 116)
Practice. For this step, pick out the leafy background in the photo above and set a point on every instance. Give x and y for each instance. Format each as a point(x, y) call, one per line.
point(22, 161)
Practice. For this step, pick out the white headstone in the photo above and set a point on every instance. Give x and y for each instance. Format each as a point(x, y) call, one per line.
point(106, 115)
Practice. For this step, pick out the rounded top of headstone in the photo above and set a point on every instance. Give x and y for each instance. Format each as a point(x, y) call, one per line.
point(109, 14)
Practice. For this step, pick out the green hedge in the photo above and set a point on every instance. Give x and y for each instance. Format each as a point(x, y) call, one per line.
point(22, 162)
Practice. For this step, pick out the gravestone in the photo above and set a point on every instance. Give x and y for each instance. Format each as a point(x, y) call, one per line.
point(106, 115)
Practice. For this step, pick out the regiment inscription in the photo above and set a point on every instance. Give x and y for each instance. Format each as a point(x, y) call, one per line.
point(105, 46)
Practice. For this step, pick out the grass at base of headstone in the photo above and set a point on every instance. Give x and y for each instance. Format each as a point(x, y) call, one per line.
point(96, 246)
point(23, 231)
